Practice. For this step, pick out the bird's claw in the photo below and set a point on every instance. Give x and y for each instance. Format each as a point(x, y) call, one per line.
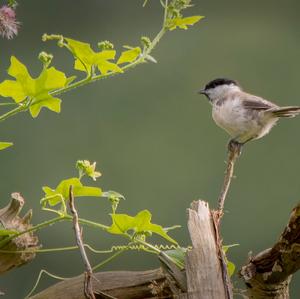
point(234, 146)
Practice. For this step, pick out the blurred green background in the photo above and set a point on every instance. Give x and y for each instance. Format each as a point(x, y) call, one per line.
point(151, 134)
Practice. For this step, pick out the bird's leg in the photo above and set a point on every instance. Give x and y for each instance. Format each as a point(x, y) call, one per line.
point(235, 147)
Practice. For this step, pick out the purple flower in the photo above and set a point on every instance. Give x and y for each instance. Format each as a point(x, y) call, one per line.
point(8, 24)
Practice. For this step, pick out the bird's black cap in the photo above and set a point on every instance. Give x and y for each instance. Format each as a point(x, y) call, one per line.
point(218, 82)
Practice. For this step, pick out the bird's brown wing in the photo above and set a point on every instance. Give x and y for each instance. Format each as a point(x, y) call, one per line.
point(256, 103)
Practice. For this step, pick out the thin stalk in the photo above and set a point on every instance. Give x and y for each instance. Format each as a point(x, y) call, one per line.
point(8, 104)
point(12, 112)
point(160, 252)
point(233, 154)
point(108, 259)
point(33, 228)
point(93, 224)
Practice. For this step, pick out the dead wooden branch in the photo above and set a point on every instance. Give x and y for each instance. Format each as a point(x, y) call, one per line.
point(119, 284)
point(268, 274)
point(88, 286)
point(10, 220)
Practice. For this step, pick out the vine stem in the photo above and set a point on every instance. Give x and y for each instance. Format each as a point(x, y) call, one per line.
point(160, 252)
point(51, 222)
point(13, 112)
point(108, 259)
point(33, 228)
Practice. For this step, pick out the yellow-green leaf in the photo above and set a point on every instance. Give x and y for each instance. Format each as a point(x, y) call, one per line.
point(87, 191)
point(13, 89)
point(121, 223)
point(141, 223)
point(49, 102)
point(17, 69)
point(104, 55)
point(183, 22)
point(81, 50)
point(50, 79)
point(105, 66)
point(230, 268)
point(86, 57)
point(37, 90)
point(4, 145)
point(129, 55)
point(79, 66)
point(61, 192)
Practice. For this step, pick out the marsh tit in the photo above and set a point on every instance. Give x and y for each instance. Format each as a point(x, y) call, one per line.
point(242, 115)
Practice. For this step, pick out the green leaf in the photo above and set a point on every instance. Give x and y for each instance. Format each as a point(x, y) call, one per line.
point(129, 55)
point(230, 268)
point(4, 145)
point(22, 87)
point(229, 264)
point(121, 223)
point(55, 196)
point(183, 22)
point(86, 58)
point(177, 254)
point(83, 54)
point(13, 89)
point(18, 70)
point(105, 66)
point(36, 89)
point(49, 102)
point(49, 79)
point(141, 223)
point(87, 191)
point(52, 197)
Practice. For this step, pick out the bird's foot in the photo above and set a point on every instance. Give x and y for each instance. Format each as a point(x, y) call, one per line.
point(234, 146)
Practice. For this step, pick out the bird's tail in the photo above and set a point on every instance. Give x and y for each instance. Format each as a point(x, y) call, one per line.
point(289, 111)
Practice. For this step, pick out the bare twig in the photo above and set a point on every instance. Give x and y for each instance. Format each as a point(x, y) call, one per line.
point(234, 150)
point(88, 287)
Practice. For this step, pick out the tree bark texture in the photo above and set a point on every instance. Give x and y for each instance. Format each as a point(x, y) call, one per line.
point(116, 284)
point(203, 263)
point(268, 274)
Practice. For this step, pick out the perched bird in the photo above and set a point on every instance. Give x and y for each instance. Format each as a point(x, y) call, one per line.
point(244, 116)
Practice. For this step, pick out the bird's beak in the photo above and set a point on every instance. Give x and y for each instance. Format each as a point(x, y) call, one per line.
point(202, 91)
